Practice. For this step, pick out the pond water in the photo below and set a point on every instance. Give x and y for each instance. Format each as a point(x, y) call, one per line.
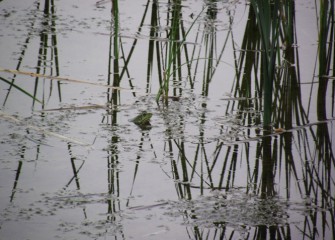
point(74, 73)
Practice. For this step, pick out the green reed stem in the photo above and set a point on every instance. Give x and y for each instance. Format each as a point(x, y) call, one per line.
point(326, 37)
point(268, 26)
point(20, 89)
point(115, 9)
point(174, 50)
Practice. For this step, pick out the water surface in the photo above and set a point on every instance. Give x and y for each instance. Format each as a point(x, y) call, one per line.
point(76, 167)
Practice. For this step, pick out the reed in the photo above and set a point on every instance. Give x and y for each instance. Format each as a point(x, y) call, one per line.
point(326, 48)
point(47, 52)
point(11, 84)
point(218, 166)
point(175, 45)
point(134, 44)
point(113, 95)
point(154, 23)
point(115, 44)
point(268, 26)
point(173, 50)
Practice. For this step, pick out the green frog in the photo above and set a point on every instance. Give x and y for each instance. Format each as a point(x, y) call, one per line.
point(143, 119)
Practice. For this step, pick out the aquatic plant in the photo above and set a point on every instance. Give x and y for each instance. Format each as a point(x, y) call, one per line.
point(177, 39)
point(12, 84)
point(268, 24)
point(326, 53)
point(47, 52)
point(298, 161)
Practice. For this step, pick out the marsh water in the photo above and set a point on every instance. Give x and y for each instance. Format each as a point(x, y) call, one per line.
point(74, 73)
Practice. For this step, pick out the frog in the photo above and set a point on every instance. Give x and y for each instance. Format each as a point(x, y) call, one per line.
point(143, 119)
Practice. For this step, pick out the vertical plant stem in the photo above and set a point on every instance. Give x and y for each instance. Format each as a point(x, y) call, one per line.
point(174, 49)
point(115, 9)
point(326, 36)
point(267, 20)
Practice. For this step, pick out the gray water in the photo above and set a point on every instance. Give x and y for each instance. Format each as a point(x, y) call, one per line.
point(76, 167)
